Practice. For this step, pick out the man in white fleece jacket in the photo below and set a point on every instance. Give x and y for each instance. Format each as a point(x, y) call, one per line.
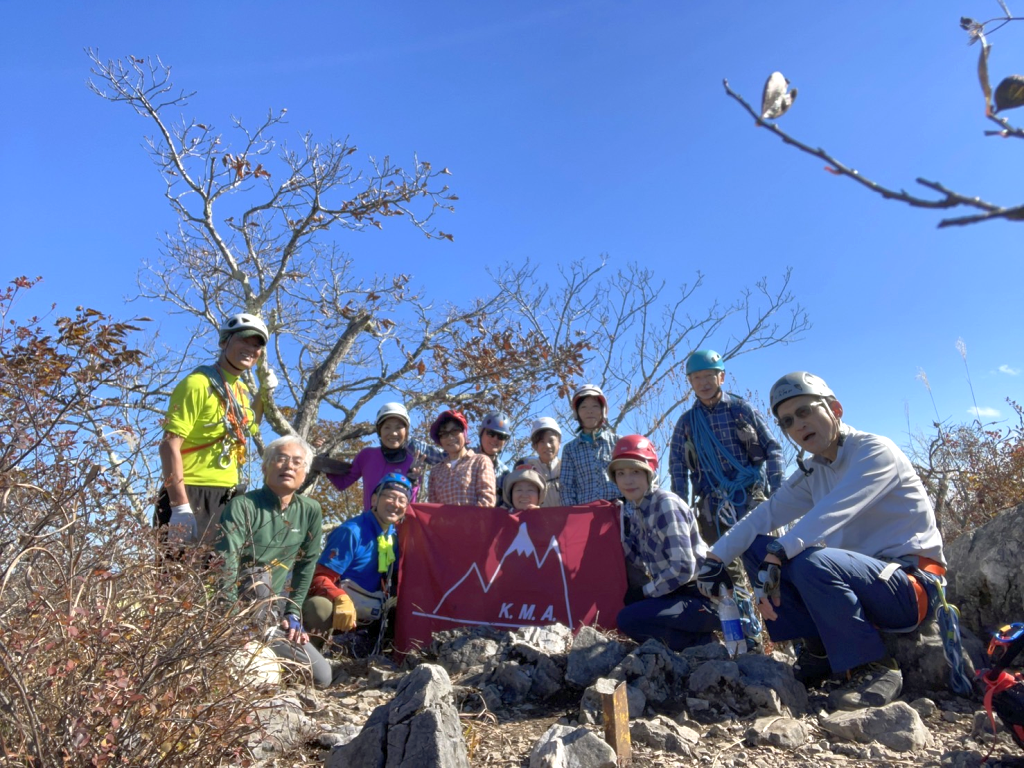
point(861, 527)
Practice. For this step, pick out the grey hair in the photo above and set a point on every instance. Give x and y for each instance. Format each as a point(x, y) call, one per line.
point(270, 452)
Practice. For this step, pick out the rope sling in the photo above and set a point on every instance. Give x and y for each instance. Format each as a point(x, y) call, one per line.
point(730, 492)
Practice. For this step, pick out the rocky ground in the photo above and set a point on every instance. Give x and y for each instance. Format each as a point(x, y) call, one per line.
point(485, 698)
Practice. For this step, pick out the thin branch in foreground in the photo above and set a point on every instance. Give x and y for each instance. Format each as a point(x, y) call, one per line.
point(949, 199)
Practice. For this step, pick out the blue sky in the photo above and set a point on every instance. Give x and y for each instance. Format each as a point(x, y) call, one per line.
point(574, 130)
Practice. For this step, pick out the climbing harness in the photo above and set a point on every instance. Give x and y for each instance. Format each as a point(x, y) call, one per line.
point(236, 420)
point(730, 492)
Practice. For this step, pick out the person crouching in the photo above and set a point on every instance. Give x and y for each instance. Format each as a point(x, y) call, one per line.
point(357, 563)
point(661, 540)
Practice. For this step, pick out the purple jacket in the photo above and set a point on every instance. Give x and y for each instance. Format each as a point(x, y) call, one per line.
point(369, 464)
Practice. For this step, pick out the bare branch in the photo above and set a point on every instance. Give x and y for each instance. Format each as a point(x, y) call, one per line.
point(949, 199)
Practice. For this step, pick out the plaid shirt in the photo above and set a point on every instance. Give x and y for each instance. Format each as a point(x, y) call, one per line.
point(501, 468)
point(465, 482)
point(660, 537)
point(585, 468)
point(722, 424)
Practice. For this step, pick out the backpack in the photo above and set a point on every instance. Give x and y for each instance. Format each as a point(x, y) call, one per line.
point(1004, 692)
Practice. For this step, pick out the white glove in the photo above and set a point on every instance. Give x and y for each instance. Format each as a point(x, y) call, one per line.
point(182, 528)
point(271, 381)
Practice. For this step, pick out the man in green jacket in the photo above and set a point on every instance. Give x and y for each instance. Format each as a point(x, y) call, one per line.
point(267, 534)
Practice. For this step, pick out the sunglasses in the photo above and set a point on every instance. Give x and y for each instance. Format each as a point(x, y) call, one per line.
point(442, 433)
point(802, 412)
point(495, 435)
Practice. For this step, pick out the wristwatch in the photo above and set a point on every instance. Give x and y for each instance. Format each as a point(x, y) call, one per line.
point(776, 548)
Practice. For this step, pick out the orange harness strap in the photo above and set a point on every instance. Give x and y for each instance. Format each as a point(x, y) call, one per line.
point(931, 566)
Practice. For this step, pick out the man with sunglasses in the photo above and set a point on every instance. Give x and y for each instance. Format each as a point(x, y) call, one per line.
point(494, 434)
point(862, 530)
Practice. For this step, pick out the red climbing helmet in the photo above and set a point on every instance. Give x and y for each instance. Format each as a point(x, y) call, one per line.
point(635, 451)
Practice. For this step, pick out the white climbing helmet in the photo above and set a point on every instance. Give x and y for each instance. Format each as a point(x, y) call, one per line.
point(389, 410)
point(796, 384)
point(544, 422)
point(245, 324)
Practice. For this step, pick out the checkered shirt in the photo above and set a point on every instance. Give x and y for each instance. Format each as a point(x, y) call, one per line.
point(585, 469)
point(465, 482)
point(721, 421)
point(660, 537)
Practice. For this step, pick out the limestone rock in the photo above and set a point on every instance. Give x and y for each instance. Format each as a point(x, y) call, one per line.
point(896, 726)
point(419, 729)
point(464, 650)
point(664, 734)
point(592, 656)
point(283, 725)
point(549, 641)
point(781, 732)
point(698, 654)
point(714, 674)
point(924, 707)
point(659, 673)
point(986, 572)
point(776, 676)
point(562, 746)
point(922, 659)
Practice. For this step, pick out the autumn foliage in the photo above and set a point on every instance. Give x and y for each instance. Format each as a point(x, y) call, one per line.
point(973, 471)
point(105, 657)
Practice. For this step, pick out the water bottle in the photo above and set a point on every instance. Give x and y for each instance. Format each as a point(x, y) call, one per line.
point(732, 629)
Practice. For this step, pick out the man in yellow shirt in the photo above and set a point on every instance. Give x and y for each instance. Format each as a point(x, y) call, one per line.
point(207, 428)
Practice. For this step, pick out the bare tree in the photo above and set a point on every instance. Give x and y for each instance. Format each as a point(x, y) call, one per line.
point(639, 332)
point(1007, 95)
point(256, 226)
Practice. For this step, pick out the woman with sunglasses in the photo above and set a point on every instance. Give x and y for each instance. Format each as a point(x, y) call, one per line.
point(850, 565)
point(494, 435)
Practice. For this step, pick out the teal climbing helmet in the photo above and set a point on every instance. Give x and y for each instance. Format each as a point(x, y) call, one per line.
point(704, 360)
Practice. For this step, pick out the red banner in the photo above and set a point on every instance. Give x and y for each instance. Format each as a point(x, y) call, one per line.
point(463, 566)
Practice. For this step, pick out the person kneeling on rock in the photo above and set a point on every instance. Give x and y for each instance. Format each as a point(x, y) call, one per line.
point(267, 534)
point(353, 577)
point(661, 540)
point(862, 530)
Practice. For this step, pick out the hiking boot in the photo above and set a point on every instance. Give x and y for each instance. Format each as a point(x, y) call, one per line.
point(811, 669)
point(871, 685)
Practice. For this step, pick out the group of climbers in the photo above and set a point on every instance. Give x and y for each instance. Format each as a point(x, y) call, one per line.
point(836, 553)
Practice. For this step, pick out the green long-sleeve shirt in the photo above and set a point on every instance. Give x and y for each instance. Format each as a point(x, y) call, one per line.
point(258, 533)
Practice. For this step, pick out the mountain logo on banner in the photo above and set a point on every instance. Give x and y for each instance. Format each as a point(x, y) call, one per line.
point(502, 597)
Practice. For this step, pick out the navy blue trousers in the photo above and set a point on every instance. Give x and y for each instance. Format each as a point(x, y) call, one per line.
point(838, 596)
point(680, 619)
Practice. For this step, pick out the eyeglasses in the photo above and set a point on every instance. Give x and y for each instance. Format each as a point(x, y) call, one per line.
point(443, 433)
point(289, 461)
point(800, 413)
point(496, 435)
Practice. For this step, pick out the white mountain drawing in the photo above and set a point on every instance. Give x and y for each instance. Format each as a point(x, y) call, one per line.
point(522, 545)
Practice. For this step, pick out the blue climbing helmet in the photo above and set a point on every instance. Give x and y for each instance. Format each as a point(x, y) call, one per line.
point(496, 422)
point(394, 481)
point(704, 360)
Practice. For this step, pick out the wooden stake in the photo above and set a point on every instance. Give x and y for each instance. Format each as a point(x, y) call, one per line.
point(616, 723)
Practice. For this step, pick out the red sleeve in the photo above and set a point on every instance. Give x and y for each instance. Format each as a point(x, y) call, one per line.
point(325, 583)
